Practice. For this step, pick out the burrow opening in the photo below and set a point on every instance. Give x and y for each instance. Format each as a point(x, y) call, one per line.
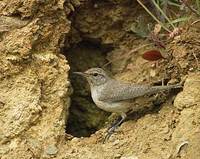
point(88, 45)
point(85, 50)
point(85, 118)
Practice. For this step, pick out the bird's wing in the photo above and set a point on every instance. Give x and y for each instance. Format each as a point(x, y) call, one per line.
point(122, 91)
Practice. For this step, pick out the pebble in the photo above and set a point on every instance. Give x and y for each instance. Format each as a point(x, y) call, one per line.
point(116, 142)
point(51, 150)
point(75, 139)
point(117, 156)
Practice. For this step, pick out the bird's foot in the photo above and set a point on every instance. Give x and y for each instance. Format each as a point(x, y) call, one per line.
point(110, 131)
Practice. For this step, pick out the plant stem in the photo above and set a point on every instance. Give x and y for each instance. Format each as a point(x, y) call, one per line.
point(190, 8)
point(161, 11)
point(149, 12)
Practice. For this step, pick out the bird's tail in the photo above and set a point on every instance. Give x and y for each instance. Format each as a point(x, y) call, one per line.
point(156, 89)
point(174, 86)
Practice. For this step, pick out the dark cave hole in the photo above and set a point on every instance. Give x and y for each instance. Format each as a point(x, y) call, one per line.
point(84, 117)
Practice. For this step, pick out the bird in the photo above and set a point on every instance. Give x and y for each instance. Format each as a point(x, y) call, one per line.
point(114, 96)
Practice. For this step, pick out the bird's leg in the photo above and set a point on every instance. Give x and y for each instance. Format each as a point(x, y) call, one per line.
point(114, 126)
point(117, 123)
point(114, 122)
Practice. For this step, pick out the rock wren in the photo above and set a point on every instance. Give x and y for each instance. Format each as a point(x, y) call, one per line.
point(114, 96)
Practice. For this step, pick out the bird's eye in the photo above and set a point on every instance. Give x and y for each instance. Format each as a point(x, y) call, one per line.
point(95, 74)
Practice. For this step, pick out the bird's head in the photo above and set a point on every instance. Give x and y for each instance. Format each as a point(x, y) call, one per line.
point(95, 76)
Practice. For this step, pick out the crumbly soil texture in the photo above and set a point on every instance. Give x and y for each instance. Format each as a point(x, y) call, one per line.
point(47, 112)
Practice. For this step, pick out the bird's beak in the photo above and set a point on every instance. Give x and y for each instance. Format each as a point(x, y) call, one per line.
point(81, 73)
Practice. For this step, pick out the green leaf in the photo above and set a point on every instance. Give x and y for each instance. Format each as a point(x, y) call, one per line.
point(178, 20)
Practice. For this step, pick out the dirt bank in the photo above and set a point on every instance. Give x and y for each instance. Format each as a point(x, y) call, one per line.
point(38, 38)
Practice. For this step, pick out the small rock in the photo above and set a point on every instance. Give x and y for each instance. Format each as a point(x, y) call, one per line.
point(117, 156)
point(51, 150)
point(152, 73)
point(173, 81)
point(75, 139)
point(116, 142)
point(190, 95)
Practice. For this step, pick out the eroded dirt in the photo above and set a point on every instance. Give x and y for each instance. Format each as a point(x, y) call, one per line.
point(35, 94)
point(33, 78)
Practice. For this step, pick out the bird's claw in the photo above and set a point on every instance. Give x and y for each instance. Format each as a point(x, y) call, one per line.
point(108, 135)
point(115, 125)
point(110, 131)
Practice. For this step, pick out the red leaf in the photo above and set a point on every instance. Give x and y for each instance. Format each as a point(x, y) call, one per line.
point(152, 55)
